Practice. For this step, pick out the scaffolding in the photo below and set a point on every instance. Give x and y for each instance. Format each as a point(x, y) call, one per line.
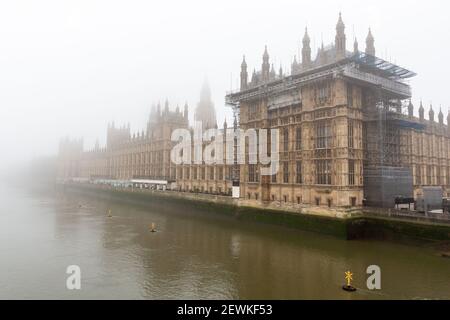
point(384, 86)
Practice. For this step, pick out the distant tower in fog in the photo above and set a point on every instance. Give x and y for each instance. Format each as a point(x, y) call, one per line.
point(205, 111)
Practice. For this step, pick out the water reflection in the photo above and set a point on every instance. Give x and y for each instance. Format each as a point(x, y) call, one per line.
point(194, 254)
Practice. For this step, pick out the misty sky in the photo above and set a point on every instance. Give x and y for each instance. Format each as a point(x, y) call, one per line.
point(70, 67)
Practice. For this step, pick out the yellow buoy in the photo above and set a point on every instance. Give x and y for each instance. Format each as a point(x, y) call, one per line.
point(153, 227)
point(109, 213)
point(349, 279)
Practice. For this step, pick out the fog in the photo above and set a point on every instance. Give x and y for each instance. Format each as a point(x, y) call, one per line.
point(67, 68)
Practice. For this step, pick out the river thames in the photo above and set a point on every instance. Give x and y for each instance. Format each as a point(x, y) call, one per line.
point(194, 255)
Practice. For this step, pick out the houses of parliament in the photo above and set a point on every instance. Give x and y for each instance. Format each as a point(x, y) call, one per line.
point(348, 137)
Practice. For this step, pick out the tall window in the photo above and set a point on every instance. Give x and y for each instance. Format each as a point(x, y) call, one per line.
point(418, 175)
point(299, 176)
point(298, 138)
point(323, 135)
point(429, 175)
point(194, 173)
point(351, 172)
point(203, 172)
point(188, 173)
point(350, 133)
point(323, 172)
point(349, 95)
point(286, 140)
point(220, 173)
point(324, 92)
point(228, 173)
point(211, 173)
point(286, 172)
point(274, 178)
point(252, 173)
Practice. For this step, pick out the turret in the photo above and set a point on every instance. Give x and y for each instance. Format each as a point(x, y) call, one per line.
point(421, 112)
point(340, 40)
point(265, 68)
point(410, 109)
point(306, 51)
point(370, 47)
point(254, 77)
point(431, 114)
point(294, 66)
point(244, 74)
point(355, 46)
point(273, 74)
point(322, 56)
point(441, 117)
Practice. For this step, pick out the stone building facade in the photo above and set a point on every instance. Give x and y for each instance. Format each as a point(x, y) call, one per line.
point(339, 115)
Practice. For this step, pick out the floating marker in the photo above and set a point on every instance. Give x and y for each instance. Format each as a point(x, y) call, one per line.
point(153, 227)
point(348, 278)
point(109, 213)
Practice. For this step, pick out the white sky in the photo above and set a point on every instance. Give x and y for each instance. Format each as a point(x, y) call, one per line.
point(70, 67)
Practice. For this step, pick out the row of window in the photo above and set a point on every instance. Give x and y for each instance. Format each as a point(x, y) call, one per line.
point(323, 136)
point(433, 175)
point(323, 172)
point(202, 173)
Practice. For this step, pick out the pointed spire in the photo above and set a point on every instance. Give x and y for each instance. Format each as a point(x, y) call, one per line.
point(306, 39)
point(265, 54)
point(225, 125)
point(265, 69)
point(294, 65)
point(186, 110)
point(306, 51)
point(273, 74)
point(431, 113)
point(441, 116)
point(243, 64)
point(322, 55)
point(340, 40)
point(340, 26)
point(280, 72)
point(166, 106)
point(254, 80)
point(421, 111)
point(370, 44)
point(410, 109)
point(355, 46)
point(244, 74)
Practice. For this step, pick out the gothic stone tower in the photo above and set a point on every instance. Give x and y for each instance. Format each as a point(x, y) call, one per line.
point(205, 111)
